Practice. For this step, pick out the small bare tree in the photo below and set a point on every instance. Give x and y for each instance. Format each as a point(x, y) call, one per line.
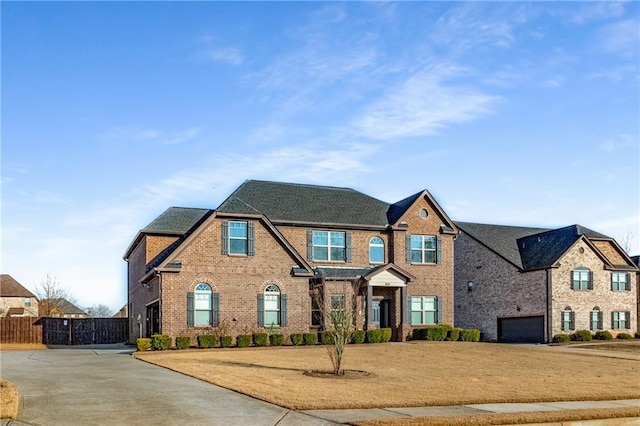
point(338, 316)
point(51, 293)
point(99, 311)
point(626, 242)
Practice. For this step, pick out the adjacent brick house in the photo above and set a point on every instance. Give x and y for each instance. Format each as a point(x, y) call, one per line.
point(520, 284)
point(15, 299)
point(250, 264)
point(59, 307)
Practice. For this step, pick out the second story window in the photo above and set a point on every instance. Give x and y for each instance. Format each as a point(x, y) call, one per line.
point(581, 279)
point(424, 249)
point(238, 237)
point(620, 281)
point(376, 250)
point(330, 246)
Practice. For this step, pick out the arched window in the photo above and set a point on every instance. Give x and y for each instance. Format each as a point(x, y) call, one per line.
point(568, 319)
point(202, 305)
point(271, 305)
point(595, 319)
point(376, 250)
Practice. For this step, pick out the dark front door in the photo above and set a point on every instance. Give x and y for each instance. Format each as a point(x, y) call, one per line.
point(380, 313)
point(153, 319)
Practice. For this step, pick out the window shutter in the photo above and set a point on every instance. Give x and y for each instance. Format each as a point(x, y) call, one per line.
point(283, 310)
point(590, 284)
point(612, 319)
point(309, 245)
point(627, 322)
point(408, 248)
point(215, 309)
point(225, 237)
point(409, 310)
point(439, 305)
point(628, 283)
point(600, 320)
point(251, 235)
point(439, 250)
point(347, 254)
point(572, 316)
point(190, 311)
point(260, 310)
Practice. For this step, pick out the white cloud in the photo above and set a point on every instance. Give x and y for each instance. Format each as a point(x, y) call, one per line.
point(227, 55)
point(620, 38)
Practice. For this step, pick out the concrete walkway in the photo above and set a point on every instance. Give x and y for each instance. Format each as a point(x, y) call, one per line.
point(105, 385)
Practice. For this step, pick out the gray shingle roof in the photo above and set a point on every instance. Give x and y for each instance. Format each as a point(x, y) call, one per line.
point(396, 210)
point(290, 202)
point(176, 220)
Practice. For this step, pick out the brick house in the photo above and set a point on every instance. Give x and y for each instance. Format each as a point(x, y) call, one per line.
point(520, 284)
point(252, 263)
point(15, 299)
point(59, 307)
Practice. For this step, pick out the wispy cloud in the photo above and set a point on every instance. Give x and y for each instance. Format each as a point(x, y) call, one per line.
point(423, 104)
point(227, 55)
point(621, 142)
point(132, 133)
point(620, 38)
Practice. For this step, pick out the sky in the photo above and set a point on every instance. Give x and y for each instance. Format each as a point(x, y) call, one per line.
point(512, 113)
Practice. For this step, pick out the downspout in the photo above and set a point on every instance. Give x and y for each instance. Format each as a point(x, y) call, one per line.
point(548, 304)
point(159, 300)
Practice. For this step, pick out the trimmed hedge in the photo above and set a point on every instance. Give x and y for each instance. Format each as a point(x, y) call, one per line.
point(226, 341)
point(603, 335)
point(581, 336)
point(143, 344)
point(358, 336)
point(244, 340)
point(207, 341)
point(183, 342)
point(387, 333)
point(374, 336)
point(637, 334)
point(561, 338)
point(160, 342)
point(453, 334)
point(624, 336)
point(470, 335)
point(310, 339)
point(326, 338)
point(261, 339)
point(437, 333)
point(296, 339)
point(276, 339)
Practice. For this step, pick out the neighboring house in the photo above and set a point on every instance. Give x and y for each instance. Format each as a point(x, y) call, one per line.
point(519, 284)
point(122, 313)
point(15, 299)
point(60, 308)
point(636, 261)
point(254, 262)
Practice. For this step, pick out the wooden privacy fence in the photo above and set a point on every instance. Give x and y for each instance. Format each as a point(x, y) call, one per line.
point(64, 331)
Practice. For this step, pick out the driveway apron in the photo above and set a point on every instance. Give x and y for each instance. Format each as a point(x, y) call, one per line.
point(107, 386)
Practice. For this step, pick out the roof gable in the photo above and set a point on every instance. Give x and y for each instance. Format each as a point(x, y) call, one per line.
point(398, 210)
point(9, 287)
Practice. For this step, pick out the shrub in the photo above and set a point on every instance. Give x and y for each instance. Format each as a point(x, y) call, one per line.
point(581, 336)
point(226, 341)
point(386, 334)
point(207, 341)
point(437, 333)
point(637, 334)
point(624, 336)
point(183, 342)
point(261, 339)
point(420, 333)
point(358, 336)
point(603, 335)
point(453, 334)
point(160, 342)
point(276, 339)
point(561, 338)
point(374, 336)
point(326, 338)
point(244, 340)
point(470, 335)
point(143, 344)
point(310, 339)
point(296, 339)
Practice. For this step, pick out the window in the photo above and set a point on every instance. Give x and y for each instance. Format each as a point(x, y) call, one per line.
point(202, 307)
point(425, 310)
point(620, 281)
point(337, 306)
point(424, 249)
point(27, 302)
point(238, 238)
point(316, 313)
point(581, 279)
point(330, 246)
point(620, 320)
point(595, 322)
point(567, 318)
point(376, 250)
point(272, 307)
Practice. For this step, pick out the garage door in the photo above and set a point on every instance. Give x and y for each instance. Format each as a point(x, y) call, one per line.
point(521, 330)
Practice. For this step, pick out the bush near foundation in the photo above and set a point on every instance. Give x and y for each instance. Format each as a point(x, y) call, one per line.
point(296, 339)
point(326, 338)
point(358, 336)
point(437, 333)
point(581, 336)
point(310, 339)
point(207, 341)
point(276, 339)
point(374, 336)
point(470, 335)
point(244, 340)
point(160, 342)
point(183, 342)
point(143, 344)
point(226, 341)
point(453, 335)
point(387, 334)
point(637, 334)
point(261, 339)
point(561, 338)
point(623, 336)
point(603, 335)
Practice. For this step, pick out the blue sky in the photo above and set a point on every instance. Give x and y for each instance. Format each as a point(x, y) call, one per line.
point(507, 112)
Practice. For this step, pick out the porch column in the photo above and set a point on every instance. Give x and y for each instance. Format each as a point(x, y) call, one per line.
point(369, 307)
point(403, 305)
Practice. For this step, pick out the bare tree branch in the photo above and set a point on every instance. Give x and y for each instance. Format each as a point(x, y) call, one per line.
point(51, 293)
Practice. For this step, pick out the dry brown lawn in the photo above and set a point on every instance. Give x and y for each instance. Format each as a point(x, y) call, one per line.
point(8, 400)
point(414, 374)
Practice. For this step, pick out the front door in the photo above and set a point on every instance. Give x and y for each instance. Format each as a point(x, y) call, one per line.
point(153, 319)
point(380, 310)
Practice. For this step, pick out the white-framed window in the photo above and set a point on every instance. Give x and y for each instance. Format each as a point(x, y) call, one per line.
point(329, 245)
point(202, 305)
point(620, 320)
point(238, 237)
point(272, 305)
point(376, 250)
point(620, 281)
point(425, 310)
point(567, 318)
point(581, 279)
point(422, 249)
point(595, 319)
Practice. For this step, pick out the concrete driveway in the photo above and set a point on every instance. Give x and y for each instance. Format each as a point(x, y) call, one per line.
point(107, 386)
